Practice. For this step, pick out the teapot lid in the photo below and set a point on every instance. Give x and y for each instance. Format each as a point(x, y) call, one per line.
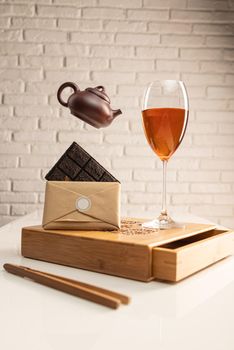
point(100, 92)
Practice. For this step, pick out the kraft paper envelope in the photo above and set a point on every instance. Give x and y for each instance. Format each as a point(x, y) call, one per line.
point(82, 205)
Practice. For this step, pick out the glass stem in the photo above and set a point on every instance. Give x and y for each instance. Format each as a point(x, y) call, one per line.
point(164, 193)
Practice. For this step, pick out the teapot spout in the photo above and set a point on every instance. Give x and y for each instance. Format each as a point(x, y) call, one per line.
point(116, 113)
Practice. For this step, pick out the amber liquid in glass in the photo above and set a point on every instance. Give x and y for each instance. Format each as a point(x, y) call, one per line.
point(164, 129)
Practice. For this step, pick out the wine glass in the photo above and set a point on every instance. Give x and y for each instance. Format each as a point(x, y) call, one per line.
point(165, 115)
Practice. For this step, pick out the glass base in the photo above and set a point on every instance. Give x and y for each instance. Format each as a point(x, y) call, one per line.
point(163, 222)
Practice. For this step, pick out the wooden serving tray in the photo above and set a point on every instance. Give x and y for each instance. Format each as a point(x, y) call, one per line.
point(132, 252)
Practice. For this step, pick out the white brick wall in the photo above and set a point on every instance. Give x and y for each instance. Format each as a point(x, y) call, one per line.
point(122, 45)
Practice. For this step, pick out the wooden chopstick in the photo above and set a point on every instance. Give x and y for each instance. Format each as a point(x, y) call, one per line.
point(124, 299)
point(83, 290)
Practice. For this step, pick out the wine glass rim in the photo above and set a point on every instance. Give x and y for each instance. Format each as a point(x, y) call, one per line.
point(164, 80)
point(179, 82)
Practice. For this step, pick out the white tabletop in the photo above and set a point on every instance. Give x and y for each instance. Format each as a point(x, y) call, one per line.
point(197, 313)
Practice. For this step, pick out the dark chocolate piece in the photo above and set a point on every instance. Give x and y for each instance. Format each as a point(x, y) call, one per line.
point(83, 176)
point(56, 174)
point(72, 152)
point(77, 165)
point(94, 169)
point(70, 167)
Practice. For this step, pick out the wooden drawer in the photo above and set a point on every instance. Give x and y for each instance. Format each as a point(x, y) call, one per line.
point(179, 259)
point(131, 252)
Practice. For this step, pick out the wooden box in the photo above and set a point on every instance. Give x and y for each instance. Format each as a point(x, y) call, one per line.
point(132, 252)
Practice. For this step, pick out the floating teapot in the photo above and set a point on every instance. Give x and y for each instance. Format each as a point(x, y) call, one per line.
point(91, 105)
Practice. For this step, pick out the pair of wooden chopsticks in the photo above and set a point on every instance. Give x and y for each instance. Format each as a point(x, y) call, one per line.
point(83, 290)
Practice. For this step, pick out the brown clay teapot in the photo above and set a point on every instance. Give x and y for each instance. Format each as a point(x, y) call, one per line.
point(91, 105)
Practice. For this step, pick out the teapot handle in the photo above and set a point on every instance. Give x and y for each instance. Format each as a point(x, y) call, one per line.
point(62, 87)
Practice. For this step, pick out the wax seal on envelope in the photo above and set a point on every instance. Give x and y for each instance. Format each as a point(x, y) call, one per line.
point(83, 203)
point(91, 105)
